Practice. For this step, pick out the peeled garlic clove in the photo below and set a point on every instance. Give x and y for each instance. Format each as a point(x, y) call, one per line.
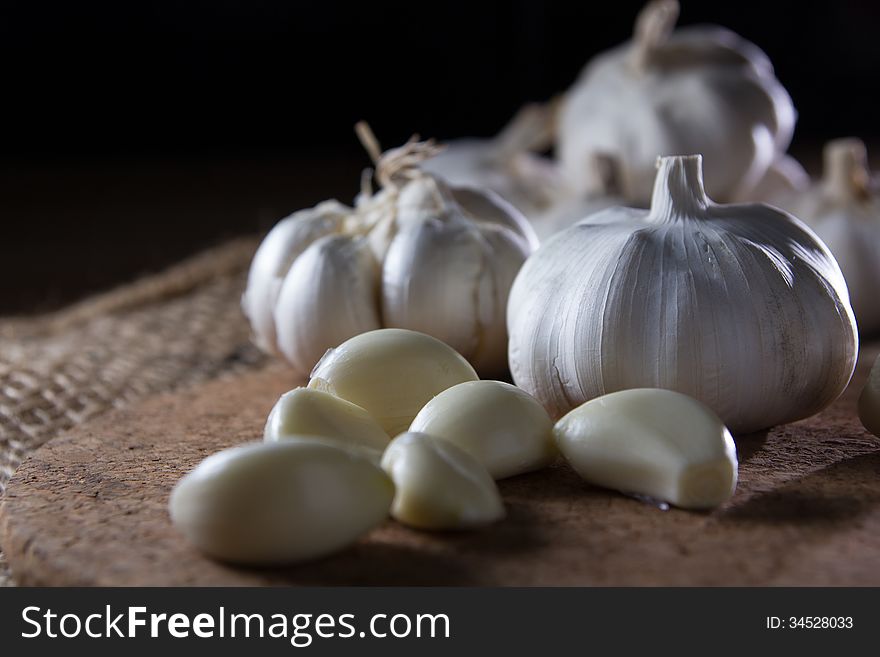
point(700, 89)
point(328, 296)
point(391, 374)
point(273, 503)
point(439, 486)
point(869, 401)
point(309, 412)
point(844, 210)
point(498, 424)
point(284, 243)
point(739, 306)
point(651, 442)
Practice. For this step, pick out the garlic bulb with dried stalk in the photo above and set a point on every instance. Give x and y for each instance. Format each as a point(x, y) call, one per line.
point(507, 164)
point(740, 306)
point(844, 210)
point(604, 190)
point(418, 254)
point(700, 89)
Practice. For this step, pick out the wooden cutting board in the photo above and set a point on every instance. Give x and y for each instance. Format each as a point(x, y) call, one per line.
point(89, 508)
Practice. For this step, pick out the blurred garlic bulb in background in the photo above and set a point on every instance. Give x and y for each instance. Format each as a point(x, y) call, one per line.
point(785, 177)
point(699, 89)
point(844, 210)
point(603, 191)
point(507, 164)
point(738, 306)
point(417, 254)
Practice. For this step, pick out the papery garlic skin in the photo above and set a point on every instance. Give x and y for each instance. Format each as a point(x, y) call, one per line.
point(418, 254)
point(310, 412)
point(739, 306)
point(506, 164)
point(498, 424)
point(280, 502)
point(391, 374)
point(697, 89)
point(328, 295)
point(653, 442)
point(844, 210)
point(869, 401)
point(439, 486)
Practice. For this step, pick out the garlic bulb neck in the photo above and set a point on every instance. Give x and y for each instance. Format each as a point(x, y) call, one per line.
point(678, 189)
point(399, 165)
point(654, 24)
point(846, 176)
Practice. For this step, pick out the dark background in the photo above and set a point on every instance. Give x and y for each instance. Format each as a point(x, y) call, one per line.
point(138, 132)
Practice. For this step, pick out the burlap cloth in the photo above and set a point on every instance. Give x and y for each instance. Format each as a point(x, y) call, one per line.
point(160, 333)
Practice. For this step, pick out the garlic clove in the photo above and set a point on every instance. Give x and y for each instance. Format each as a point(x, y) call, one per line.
point(869, 401)
point(448, 273)
point(501, 426)
point(439, 486)
point(309, 412)
point(329, 295)
point(276, 253)
point(652, 442)
point(283, 502)
point(390, 373)
point(429, 281)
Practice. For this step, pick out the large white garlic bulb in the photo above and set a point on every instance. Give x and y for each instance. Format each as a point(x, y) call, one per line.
point(506, 164)
point(739, 306)
point(699, 89)
point(419, 254)
point(844, 210)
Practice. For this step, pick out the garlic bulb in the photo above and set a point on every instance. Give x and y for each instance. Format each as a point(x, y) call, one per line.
point(498, 424)
point(391, 374)
point(309, 412)
point(604, 190)
point(506, 164)
point(439, 486)
point(418, 254)
point(844, 210)
point(698, 89)
point(738, 306)
point(272, 503)
point(869, 401)
point(652, 442)
point(783, 179)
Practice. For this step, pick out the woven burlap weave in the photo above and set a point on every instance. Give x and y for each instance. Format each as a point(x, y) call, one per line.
point(161, 333)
